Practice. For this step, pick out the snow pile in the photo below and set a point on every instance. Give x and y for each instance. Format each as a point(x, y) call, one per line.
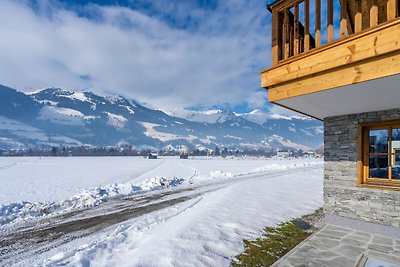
point(280, 167)
point(271, 167)
point(15, 212)
point(220, 174)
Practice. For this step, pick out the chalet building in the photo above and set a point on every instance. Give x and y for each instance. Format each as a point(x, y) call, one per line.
point(339, 61)
point(283, 153)
point(152, 155)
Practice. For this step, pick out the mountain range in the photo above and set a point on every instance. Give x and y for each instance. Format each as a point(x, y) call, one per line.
point(54, 117)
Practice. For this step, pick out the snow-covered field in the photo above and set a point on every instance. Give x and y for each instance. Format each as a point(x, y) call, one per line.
point(131, 211)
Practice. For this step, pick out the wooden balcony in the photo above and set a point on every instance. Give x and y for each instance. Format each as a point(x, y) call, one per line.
point(360, 41)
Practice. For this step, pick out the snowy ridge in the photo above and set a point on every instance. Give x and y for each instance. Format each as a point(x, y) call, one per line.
point(112, 120)
point(15, 212)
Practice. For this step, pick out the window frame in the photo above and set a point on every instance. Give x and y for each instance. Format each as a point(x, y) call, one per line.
point(363, 179)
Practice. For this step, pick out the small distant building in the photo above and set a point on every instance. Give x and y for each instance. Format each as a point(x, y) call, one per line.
point(153, 155)
point(184, 156)
point(283, 153)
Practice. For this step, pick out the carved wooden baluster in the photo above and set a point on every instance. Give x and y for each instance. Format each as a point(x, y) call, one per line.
point(373, 14)
point(286, 33)
point(296, 29)
point(306, 25)
point(330, 21)
point(392, 7)
point(358, 17)
point(343, 18)
point(317, 23)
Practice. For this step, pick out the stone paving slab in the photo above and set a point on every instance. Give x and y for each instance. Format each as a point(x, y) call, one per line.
point(336, 246)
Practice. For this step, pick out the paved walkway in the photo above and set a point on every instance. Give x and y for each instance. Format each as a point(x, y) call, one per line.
point(336, 246)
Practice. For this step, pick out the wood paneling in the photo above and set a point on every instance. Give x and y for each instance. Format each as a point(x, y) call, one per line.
point(378, 67)
point(365, 45)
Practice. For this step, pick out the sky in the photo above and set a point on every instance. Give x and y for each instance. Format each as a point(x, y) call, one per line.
point(166, 54)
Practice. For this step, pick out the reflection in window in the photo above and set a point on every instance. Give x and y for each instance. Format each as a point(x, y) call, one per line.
point(378, 141)
point(396, 172)
point(395, 145)
point(378, 166)
point(396, 166)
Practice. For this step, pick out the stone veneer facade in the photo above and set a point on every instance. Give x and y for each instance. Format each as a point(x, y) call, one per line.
point(341, 194)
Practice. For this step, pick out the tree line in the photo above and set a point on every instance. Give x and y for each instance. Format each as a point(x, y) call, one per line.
point(128, 150)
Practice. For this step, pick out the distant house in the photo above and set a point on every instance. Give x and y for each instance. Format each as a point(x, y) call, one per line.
point(152, 155)
point(283, 153)
point(184, 156)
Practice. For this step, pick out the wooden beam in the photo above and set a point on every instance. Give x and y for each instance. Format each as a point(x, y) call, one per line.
point(390, 157)
point(343, 18)
point(330, 21)
point(365, 170)
point(296, 30)
point(373, 14)
point(306, 25)
point(378, 67)
point(317, 23)
point(365, 45)
point(392, 7)
point(360, 158)
point(358, 17)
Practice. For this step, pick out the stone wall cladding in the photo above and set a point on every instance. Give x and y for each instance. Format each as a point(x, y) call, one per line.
point(341, 194)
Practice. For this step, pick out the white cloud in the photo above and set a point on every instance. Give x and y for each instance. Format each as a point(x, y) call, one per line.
point(276, 111)
point(140, 56)
point(258, 99)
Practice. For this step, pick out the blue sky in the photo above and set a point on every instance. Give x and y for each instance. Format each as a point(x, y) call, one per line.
point(166, 54)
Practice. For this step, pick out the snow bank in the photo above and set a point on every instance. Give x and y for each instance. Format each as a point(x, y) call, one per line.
point(280, 167)
point(268, 168)
point(34, 187)
point(15, 212)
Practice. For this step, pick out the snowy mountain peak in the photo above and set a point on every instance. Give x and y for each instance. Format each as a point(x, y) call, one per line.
point(64, 117)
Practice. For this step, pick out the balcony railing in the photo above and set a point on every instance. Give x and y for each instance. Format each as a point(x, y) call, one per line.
point(296, 24)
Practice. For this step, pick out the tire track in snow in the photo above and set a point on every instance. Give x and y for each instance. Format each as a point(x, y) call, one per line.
point(40, 236)
point(19, 243)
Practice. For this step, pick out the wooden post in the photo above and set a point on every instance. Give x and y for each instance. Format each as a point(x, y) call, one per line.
point(373, 14)
point(360, 165)
point(275, 32)
point(358, 17)
point(296, 29)
point(286, 33)
point(330, 21)
point(317, 23)
point(392, 7)
point(343, 18)
point(306, 25)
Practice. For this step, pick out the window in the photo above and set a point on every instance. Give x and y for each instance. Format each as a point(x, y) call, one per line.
point(379, 157)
